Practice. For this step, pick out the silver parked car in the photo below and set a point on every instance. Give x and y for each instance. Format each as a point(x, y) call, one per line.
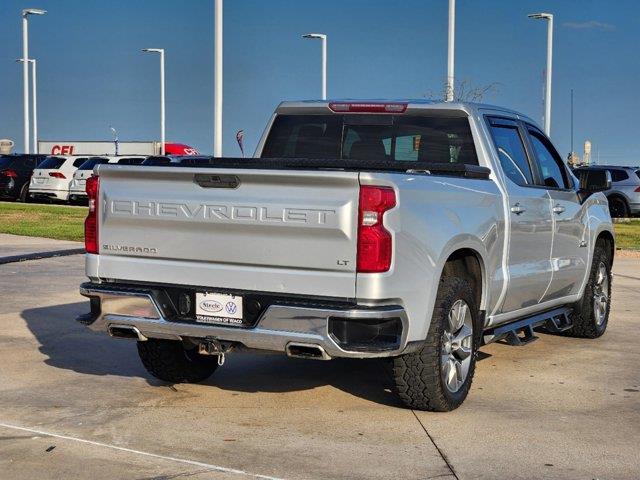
point(624, 195)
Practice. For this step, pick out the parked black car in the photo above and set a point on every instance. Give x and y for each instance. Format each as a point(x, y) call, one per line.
point(15, 174)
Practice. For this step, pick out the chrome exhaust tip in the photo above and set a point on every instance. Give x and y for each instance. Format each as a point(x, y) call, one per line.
point(127, 332)
point(306, 350)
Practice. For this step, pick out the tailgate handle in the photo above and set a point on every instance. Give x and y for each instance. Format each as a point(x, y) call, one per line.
point(207, 180)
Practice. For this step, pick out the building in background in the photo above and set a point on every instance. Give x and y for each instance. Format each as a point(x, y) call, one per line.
point(108, 147)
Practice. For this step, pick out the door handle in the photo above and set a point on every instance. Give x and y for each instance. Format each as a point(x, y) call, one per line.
point(558, 209)
point(518, 209)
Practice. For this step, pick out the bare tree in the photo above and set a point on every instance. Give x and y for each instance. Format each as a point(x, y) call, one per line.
point(465, 92)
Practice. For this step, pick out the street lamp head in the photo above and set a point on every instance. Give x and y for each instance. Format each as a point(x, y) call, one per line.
point(33, 11)
point(320, 36)
point(540, 16)
point(153, 50)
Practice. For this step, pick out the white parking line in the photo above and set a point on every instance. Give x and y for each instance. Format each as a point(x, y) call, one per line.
point(139, 452)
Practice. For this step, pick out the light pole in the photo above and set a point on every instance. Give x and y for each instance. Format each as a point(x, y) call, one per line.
point(25, 69)
point(115, 138)
point(34, 108)
point(572, 123)
point(162, 124)
point(217, 89)
point(547, 97)
point(34, 83)
point(323, 38)
point(451, 51)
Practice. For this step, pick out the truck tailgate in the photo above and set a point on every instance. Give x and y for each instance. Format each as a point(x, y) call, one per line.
point(262, 230)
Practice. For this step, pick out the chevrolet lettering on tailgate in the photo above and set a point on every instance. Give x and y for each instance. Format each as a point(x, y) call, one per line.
point(203, 211)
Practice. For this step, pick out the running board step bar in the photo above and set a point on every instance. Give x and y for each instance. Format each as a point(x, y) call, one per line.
point(521, 332)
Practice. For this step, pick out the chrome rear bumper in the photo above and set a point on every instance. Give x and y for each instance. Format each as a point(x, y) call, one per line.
point(277, 328)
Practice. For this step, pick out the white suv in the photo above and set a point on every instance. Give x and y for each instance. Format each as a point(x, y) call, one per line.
point(77, 186)
point(52, 178)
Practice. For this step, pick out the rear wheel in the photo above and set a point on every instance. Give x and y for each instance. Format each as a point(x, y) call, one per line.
point(438, 376)
point(591, 314)
point(618, 207)
point(171, 361)
point(24, 193)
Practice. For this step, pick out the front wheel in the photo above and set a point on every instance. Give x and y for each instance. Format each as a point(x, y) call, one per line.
point(591, 313)
point(438, 376)
point(171, 361)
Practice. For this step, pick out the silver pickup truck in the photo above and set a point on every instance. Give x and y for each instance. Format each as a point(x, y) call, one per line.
point(412, 230)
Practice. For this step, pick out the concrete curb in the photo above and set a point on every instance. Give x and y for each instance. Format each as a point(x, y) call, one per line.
point(40, 255)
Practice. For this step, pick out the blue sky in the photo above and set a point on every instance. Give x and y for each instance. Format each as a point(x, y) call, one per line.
point(92, 74)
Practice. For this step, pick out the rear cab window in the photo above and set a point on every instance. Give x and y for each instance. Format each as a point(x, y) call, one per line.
point(419, 139)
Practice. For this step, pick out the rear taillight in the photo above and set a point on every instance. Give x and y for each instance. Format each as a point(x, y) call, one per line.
point(372, 107)
point(57, 175)
point(91, 222)
point(637, 190)
point(10, 173)
point(374, 241)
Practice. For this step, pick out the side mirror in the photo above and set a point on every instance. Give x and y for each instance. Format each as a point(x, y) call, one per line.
point(594, 180)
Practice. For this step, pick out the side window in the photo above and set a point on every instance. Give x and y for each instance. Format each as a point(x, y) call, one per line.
point(551, 166)
point(618, 175)
point(79, 162)
point(513, 156)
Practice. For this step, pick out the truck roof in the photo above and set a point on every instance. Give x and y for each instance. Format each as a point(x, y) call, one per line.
point(322, 106)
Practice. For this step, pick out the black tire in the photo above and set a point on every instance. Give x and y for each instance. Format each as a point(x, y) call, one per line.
point(24, 193)
point(618, 207)
point(586, 323)
point(418, 376)
point(170, 361)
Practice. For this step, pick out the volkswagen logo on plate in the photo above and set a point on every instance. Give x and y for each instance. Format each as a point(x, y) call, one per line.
point(211, 306)
point(231, 308)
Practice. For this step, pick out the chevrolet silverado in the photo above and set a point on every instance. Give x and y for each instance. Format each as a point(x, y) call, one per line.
point(412, 230)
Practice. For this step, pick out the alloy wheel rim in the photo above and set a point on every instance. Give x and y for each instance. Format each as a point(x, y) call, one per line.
point(601, 295)
point(457, 346)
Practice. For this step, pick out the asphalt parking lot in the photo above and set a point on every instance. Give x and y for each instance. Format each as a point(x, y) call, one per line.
point(76, 404)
